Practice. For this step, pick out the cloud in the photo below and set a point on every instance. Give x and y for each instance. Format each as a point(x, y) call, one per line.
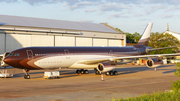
point(88, 21)
point(113, 7)
point(8, 0)
point(168, 16)
point(153, 8)
point(35, 2)
point(125, 1)
point(169, 2)
point(118, 16)
point(74, 2)
point(131, 7)
point(81, 5)
point(172, 8)
point(100, 13)
point(145, 19)
point(88, 10)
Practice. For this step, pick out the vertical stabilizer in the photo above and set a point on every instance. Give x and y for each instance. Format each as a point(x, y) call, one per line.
point(144, 40)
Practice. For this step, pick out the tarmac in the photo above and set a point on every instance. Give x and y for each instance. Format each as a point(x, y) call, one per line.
point(131, 81)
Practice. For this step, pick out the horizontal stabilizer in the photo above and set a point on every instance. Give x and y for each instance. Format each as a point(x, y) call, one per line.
point(148, 50)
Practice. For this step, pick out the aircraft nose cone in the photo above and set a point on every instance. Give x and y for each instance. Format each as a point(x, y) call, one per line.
point(7, 60)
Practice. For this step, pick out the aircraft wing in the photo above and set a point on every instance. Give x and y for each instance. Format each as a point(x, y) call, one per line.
point(98, 60)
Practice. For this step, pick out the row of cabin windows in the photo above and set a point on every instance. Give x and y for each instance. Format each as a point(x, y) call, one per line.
point(70, 54)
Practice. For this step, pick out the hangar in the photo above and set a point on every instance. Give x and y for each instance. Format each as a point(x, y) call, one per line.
point(17, 32)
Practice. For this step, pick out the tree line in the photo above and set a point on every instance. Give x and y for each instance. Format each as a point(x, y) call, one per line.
point(157, 40)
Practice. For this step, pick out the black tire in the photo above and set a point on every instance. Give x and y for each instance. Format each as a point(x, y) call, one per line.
point(82, 71)
point(25, 76)
point(96, 72)
point(115, 73)
point(78, 71)
point(111, 73)
point(28, 76)
point(86, 71)
point(107, 73)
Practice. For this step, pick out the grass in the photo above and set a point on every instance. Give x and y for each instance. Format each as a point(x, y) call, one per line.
point(159, 96)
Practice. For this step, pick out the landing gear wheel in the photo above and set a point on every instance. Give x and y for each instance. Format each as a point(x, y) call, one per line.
point(82, 71)
point(27, 76)
point(78, 71)
point(86, 72)
point(111, 73)
point(107, 73)
point(115, 73)
point(96, 72)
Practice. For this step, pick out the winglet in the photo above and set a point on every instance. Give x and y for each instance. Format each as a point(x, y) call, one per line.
point(144, 40)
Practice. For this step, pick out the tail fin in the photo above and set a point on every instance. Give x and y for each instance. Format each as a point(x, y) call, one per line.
point(144, 40)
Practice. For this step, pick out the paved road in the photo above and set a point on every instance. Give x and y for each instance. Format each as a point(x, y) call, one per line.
point(131, 81)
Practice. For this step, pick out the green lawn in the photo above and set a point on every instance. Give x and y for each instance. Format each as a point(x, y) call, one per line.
point(159, 96)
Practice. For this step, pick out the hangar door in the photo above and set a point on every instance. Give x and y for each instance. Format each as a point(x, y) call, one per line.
point(2, 43)
point(42, 40)
point(115, 42)
point(64, 41)
point(83, 41)
point(99, 42)
point(15, 41)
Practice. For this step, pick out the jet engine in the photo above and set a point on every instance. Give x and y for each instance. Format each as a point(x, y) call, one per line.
point(105, 67)
point(153, 63)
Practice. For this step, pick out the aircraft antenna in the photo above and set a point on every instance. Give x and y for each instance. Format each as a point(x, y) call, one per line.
point(167, 26)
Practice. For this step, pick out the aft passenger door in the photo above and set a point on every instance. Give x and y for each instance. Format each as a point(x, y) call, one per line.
point(29, 54)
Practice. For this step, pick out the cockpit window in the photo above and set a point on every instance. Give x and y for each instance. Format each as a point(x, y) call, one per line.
point(14, 54)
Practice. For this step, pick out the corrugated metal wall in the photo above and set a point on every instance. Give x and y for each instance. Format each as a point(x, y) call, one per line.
point(10, 42)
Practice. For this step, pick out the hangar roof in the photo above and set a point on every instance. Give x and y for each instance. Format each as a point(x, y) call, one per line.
point(50, 23)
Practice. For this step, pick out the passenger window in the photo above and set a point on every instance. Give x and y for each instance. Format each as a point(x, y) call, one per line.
point(11, 54)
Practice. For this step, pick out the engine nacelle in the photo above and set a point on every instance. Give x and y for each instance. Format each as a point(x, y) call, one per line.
point(105, 67)
point(153, 63)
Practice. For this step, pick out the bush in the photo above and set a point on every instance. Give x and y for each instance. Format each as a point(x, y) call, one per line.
point(176, 85)
point(159, 96)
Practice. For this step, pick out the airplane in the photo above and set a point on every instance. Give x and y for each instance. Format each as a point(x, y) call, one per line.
point(2, 56)
point(101, 59)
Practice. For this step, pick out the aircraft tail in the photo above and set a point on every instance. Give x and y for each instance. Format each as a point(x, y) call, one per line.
point(144, 40)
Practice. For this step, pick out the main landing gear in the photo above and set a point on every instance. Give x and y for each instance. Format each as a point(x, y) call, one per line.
point(111, 73)
point(82, 71)
point(26, 76)
point(97, 72)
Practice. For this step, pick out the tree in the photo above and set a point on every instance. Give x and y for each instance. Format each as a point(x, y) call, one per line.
point(158, 40)
point(136, 37)
point(119, 30)
point(131, 38)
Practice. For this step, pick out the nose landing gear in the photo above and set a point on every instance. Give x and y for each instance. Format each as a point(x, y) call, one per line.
point(26, 76)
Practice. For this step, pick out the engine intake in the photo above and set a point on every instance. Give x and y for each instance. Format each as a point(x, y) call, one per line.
point(104, 67)
point(153, 63)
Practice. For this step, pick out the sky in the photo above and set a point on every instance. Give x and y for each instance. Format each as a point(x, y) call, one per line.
point(128, 15)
